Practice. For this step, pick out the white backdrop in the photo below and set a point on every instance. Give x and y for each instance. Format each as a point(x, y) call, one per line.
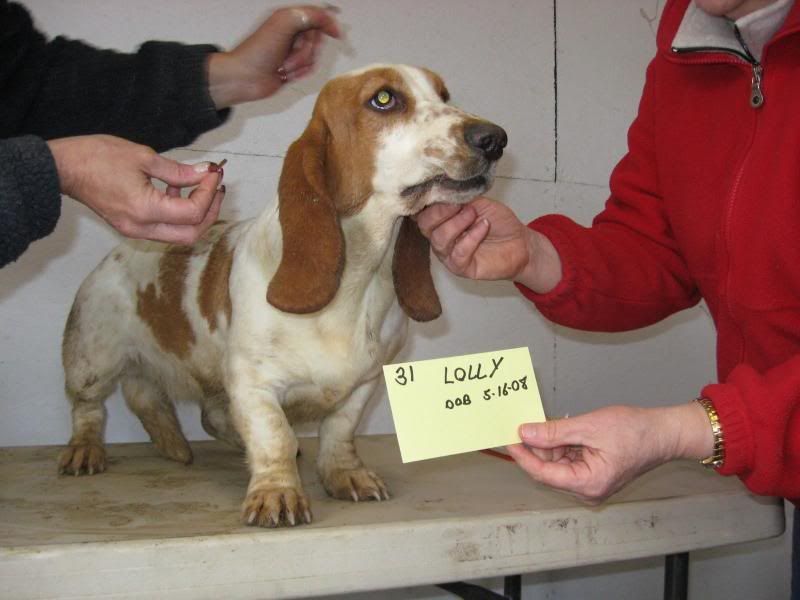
point(562, 76)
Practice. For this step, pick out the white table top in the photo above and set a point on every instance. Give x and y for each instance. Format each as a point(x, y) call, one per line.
point(151, 527)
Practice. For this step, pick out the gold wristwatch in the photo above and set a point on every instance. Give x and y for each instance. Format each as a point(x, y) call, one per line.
point(718, 455)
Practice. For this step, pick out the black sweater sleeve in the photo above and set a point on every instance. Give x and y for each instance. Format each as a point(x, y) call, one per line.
point(30, 203)
point(157, 96)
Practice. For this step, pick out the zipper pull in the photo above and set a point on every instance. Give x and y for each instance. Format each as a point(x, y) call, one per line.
point(756, 95)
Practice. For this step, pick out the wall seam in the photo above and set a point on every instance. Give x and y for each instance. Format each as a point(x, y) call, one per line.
point(555, 180)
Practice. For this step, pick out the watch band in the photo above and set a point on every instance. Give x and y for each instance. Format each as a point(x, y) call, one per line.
point(717, 457)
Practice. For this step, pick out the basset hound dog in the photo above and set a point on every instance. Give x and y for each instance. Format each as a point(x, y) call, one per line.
point(287, 317)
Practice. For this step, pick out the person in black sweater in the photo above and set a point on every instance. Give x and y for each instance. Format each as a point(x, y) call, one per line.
point(89, 122)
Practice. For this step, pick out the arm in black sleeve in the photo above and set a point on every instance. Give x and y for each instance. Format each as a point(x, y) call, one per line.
point(30, 201)
point(157, 96)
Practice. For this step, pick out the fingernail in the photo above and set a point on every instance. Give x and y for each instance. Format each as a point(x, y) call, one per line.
point(282, 74)
point(301, 14)
point(202, 167)
point(527, 431)
point(213, 168)
point(221, 188)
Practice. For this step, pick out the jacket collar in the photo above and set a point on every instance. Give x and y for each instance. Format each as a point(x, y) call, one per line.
point(685, 27)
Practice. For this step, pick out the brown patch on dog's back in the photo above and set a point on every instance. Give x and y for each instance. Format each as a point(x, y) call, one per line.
point(213, 294)
point(163, 312)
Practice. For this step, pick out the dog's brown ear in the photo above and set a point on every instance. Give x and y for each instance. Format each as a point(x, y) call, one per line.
point(313, 245)
point(411, 270)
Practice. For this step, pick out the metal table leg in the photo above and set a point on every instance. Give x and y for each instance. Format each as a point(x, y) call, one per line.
point(512, 590)
point(676, 576)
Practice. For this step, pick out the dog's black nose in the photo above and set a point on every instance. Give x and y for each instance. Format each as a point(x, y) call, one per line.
point(486, 137)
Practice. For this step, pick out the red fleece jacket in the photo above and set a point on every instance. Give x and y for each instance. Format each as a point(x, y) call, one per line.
point(706, 203)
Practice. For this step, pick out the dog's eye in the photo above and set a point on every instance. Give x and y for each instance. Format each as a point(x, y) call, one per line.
point(383, 100)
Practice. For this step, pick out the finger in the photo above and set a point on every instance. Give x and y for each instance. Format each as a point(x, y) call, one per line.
point(550, 434)
point(298, 42)
point(467, 244)
point(185, 211)
point(445, 234)
point(315, 38)
point(210, 209)
point(323, 20)
point(213, 211)
point(434, 215)
point(176, 173)
point(184, 234)
point(299, 73)
point(173, 192)
point(299, 19)
point(554, 474)
point(551, 454)
point(304, 51)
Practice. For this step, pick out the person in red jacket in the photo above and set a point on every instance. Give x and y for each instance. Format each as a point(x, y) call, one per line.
point(704, 205)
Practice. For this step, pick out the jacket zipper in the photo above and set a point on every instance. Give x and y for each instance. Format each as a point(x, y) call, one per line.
point(756, 91)
point(756, 101)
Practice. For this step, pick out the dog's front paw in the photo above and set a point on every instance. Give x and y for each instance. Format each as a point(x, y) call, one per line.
point(355, 485)
point(79, 459)
point(275, 507)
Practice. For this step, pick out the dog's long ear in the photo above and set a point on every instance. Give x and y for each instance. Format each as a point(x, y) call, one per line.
point(313, 244)
point(411, 270)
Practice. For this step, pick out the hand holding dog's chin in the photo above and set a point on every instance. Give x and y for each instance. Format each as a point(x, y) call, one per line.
point(485, 240)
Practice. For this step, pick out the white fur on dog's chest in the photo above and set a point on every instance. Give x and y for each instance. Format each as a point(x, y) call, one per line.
point(311, 362)
point(314, 362)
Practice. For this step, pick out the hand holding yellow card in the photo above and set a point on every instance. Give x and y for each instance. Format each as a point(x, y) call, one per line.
point(462, 403)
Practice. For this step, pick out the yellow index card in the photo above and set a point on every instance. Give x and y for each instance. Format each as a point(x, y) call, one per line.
point(462, 403)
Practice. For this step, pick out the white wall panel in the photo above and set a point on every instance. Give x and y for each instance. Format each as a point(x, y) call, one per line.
point(602, 51)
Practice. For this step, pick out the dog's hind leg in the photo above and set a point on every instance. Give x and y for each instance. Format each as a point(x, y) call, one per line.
point(216, 420)
point(90, 376)
point(150, 403)
point(85, 452)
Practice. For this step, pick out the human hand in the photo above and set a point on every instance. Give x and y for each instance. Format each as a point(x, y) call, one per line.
point(486, 240)
point(591, 456)
point(283, 48)
point(112, 176)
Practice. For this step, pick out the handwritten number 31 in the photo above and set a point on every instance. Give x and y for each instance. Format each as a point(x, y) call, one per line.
point(401, 377)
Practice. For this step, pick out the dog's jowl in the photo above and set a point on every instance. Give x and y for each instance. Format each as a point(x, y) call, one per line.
point(287, 317)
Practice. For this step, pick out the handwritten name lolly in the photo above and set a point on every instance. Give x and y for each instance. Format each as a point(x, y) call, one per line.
point(462, 403)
